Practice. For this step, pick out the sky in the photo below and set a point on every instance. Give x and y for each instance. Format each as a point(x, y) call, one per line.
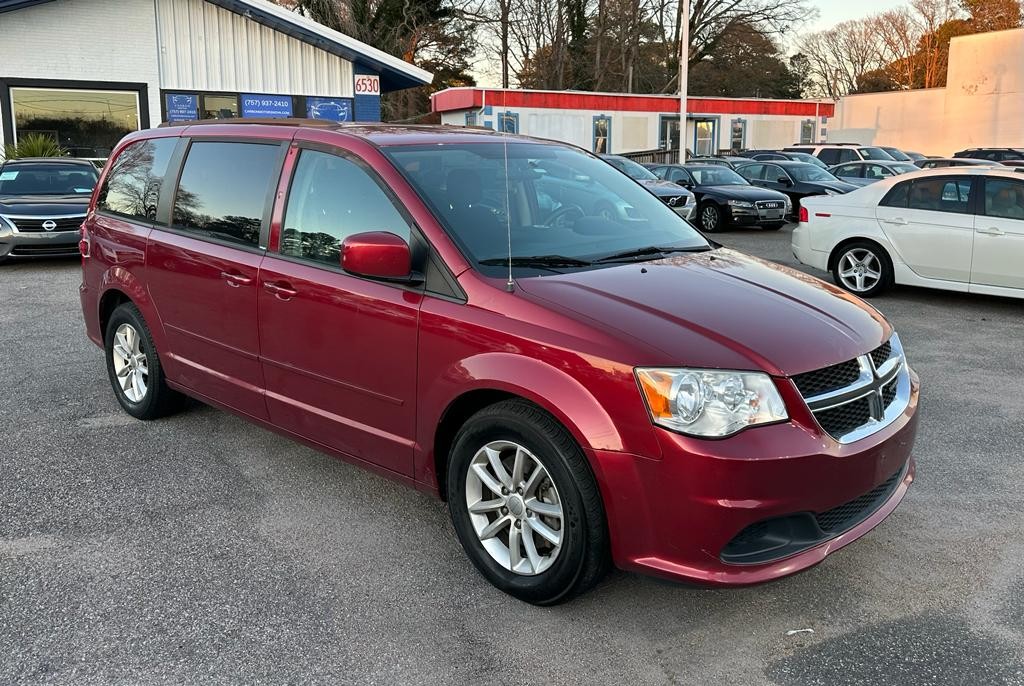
point(834, 11)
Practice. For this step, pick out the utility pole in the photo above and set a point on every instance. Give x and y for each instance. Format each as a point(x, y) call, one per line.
point(684, 76)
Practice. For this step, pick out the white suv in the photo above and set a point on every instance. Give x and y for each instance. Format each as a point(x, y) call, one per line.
point(838, 153)
point(957, 229)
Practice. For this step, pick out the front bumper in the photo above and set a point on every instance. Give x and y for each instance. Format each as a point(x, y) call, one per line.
point(687, 212)
point(14, 244)
point(752, 216)
point(675, 516)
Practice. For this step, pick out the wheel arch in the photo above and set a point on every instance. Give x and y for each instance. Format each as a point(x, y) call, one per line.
point(118, 286)
point(846, 242)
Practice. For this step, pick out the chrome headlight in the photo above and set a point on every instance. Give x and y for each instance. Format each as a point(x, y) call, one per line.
point(6, 224)
point(690, 199)
point(710, 403)
point(741, 203)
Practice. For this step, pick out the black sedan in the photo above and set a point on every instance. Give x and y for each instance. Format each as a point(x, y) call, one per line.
point(724, 198)
point(42, 205)
point(673, 195)
point(798, 180)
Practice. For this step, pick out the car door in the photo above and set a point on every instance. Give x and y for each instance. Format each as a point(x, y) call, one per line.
point(998, 258)
point(202, 271)
point(930, 224)
point(338, 350)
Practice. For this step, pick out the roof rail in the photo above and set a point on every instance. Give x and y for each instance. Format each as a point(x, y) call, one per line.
point(266, 121)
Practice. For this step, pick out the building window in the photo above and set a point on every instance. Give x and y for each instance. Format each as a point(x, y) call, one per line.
point(704, 137)
point(738, 136)
point(87, 123)
point(602, 134)
point(508, 122)
point(807, 131)
point(471, 118)
point(219, 107)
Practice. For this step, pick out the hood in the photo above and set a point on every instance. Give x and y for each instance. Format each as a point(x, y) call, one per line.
point(840, 186)
point(749, 193)
point(663, 188)
point(44, 205)
point(719, 309)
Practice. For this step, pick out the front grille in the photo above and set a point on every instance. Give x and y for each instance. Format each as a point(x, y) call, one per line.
point(35, 225)
point(881, 354)
point(42, 250)
point(852, 399)
point(827, 379)
point(848, 515)
point(770, 204)
point(841, 420)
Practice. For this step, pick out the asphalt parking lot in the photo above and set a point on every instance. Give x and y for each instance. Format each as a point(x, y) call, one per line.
point(200, 549)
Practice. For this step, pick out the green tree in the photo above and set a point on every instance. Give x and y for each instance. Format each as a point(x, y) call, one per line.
point(745, 63)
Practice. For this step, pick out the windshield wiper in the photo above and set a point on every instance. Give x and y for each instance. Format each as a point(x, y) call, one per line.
point(536, 261)
point(652, 252)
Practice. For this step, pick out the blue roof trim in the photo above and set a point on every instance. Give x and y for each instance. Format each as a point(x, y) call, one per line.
point(390, 78)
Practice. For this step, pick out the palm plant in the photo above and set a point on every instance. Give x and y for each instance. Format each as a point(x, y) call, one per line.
point(33, 145)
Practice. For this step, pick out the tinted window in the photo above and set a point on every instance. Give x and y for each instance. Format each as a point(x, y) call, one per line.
point(46, 178)
point(876, 171)
point(224, 188)
point(332, 198)
point(752, 171)
point(875, 154)
point(850, 171)
point(1004, 198)
point(847, 155)
point(940, 195)
point(679, 176)
point(132, 186)
point(830, 156)
point(897, 196)
point(772, 173)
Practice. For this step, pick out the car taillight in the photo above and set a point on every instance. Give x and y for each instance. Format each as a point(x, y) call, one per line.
point(805, 216)
point(83, 242)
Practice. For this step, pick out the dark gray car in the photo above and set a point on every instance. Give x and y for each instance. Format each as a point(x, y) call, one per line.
point(43, 202)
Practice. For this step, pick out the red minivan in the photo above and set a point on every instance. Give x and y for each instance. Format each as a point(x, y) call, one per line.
point(513, 325)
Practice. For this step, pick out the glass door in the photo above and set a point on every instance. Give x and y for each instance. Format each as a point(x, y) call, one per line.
point(704, 138)
point(668, 136)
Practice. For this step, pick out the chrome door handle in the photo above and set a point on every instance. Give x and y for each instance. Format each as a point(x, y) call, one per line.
point(992, 231)
point(282, 291)
point(236, 280)
point(898, 221)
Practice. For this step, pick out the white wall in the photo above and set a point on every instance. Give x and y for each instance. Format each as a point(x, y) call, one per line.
point(83, 41)
point(205, 47)
point(981, 106)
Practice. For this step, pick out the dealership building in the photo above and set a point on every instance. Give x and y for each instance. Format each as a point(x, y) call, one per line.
point(86, 72)
point(621, 123)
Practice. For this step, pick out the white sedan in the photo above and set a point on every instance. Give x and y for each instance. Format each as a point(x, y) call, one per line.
point(959, 229)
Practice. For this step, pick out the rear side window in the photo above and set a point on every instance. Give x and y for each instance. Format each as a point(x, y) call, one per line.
point(829, 156)
point(132, 186)
point(897, 196)
point(1004, 199)
point(940, 195)
point(850, 171)
point(224, 190)
point(332, 198)
point(752, 172)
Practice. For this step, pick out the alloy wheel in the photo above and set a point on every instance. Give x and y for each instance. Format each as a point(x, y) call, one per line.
point(860, 270)
point(514, 508)
point(709, 218)
point(131, 366)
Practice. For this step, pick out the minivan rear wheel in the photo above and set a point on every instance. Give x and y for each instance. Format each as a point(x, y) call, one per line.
point(525, 505)
point(134, 367)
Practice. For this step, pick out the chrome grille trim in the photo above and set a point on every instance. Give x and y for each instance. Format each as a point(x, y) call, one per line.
point(873, 382)
point(32, 220)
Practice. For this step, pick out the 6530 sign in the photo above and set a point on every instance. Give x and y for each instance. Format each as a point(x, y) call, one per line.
point(367, 84)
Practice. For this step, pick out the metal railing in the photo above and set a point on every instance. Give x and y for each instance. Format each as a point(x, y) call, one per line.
point(661, 156)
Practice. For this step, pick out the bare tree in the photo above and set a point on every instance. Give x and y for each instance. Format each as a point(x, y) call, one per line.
point(838, 59)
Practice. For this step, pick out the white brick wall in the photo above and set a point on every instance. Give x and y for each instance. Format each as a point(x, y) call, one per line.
point(83, 41)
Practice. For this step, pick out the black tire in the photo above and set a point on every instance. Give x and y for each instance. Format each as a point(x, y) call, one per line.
point(584, 556)
point(704, 214)
point(884, 282)
point(159, 400)
point(772, 227)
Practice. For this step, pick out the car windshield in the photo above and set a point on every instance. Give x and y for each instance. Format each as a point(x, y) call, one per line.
point(632, 169)
point(47, 178)
point(808, 172)
point(718, 177)
point(555, 203)
point(897, 154)
point(808, 158)
point(904, 168)
point(875, 154)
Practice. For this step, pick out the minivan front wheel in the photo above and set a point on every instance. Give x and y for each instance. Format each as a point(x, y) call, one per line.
point(525, 504)
point(134, 368)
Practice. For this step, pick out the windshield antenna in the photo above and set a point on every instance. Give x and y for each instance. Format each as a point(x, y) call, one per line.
point(510, 286)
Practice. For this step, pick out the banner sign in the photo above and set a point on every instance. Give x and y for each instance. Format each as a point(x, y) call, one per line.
point(267, 106)
point(333, 109)
point(181, 107)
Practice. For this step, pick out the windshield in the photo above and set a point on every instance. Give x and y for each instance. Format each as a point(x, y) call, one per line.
point(904, 168)
point(875, 154)
point(897, 154)
point(632, 169)
point(809, 172)
point(554, 201)
point(47, 179)
point(718, 177)
point(808, 158)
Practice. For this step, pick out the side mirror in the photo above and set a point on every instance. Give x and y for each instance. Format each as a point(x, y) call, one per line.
point(784, 180)
point(377, 255)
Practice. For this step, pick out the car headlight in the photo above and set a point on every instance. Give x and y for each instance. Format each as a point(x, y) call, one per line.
point(710, 403)
point(5, 224)
point(690, 200)
point(741, 203)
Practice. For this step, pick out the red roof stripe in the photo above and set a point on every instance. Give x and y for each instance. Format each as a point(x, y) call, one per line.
point(468, 98)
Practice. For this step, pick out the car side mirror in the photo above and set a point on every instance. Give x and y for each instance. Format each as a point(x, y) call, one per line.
point(378, 255)
point(784, 181)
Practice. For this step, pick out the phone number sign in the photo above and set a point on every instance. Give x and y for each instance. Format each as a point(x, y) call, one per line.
point(273, 106)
